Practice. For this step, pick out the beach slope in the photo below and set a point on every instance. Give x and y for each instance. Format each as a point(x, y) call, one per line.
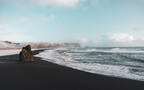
point(42, 75)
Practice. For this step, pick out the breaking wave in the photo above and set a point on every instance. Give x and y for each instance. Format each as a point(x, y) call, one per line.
point(116, 62)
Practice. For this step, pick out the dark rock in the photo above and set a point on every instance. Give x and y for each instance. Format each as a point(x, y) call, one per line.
point(26, 55)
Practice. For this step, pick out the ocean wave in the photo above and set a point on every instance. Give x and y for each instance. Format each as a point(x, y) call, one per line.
point(97, 68)
point(110, 50)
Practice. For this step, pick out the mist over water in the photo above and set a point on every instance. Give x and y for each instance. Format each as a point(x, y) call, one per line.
point(123, 62)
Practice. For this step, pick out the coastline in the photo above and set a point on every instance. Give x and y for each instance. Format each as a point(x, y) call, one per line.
point(43, 75)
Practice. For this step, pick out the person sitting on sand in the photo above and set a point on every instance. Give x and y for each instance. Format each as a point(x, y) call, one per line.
point(26, 55)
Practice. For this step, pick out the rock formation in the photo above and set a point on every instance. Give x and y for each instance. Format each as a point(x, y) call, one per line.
point(26, 55)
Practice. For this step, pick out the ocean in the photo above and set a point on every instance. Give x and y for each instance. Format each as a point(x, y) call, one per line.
point(121, 62)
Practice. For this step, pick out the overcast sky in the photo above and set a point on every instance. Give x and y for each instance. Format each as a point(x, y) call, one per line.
point(91, 22)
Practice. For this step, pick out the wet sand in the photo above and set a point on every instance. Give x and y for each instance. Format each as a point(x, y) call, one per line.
point(42, 75)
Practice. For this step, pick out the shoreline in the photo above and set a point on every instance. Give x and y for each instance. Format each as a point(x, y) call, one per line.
point(43, 75)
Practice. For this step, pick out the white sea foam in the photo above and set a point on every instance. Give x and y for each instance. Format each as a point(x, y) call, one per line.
point(9, 52)
point(113, 50)
point(110, 70)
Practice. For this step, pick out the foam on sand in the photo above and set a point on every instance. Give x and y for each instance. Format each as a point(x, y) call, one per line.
point(9, 52)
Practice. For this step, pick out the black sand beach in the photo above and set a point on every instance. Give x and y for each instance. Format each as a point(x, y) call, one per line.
point(42, 75)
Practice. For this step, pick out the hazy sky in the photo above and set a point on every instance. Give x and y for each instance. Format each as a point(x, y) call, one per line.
point(92, 22)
